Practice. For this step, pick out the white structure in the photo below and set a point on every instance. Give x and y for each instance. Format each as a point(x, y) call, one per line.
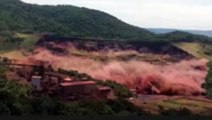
point(36, 82)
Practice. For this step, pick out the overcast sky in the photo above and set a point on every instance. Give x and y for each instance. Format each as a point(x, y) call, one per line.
point(181, 14)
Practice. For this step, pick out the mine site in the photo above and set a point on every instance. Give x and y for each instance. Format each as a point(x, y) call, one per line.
point(148, 69)
point(159, 74)
point(108, 57)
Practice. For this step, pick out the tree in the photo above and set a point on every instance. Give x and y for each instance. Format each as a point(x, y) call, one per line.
point(14, 97)
point(208, 84)
point(2, 71)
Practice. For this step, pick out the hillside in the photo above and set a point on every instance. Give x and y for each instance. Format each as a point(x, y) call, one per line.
point(197, 49)
point(164, 30)
point(67, 21)
point(71, 21)
point(177, 36)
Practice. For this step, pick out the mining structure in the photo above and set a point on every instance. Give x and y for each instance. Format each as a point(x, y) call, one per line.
point(44, 81)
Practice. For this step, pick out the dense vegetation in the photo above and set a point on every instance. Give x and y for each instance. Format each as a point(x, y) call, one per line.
point(164, 30)
point(65, 20)
point(182, 36)
point(208, 84)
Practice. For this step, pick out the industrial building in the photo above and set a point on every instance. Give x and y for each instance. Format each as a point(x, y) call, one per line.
point(84, 89)
point(58, 84)
point(68, 89)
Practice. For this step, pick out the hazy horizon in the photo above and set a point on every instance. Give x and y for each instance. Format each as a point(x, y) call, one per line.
point(172, 14)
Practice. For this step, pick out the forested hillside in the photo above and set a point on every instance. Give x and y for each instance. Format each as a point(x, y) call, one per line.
point(66, 20)
point(166, 30)
point(183, 36)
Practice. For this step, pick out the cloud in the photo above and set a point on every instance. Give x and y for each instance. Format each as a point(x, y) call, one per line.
point(181, 14)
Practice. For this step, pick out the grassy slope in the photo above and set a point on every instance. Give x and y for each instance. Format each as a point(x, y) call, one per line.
point(196, 106)
point(198, 49)
point(17, 54)
point(27, 42)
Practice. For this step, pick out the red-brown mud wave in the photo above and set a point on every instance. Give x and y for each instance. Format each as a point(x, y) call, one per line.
point(182, 78)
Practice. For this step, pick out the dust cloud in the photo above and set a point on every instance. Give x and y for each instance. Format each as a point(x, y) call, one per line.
point(182, 78)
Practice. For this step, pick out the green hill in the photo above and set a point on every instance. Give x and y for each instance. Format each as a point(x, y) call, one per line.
point(183, 36)
point(66, 20)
